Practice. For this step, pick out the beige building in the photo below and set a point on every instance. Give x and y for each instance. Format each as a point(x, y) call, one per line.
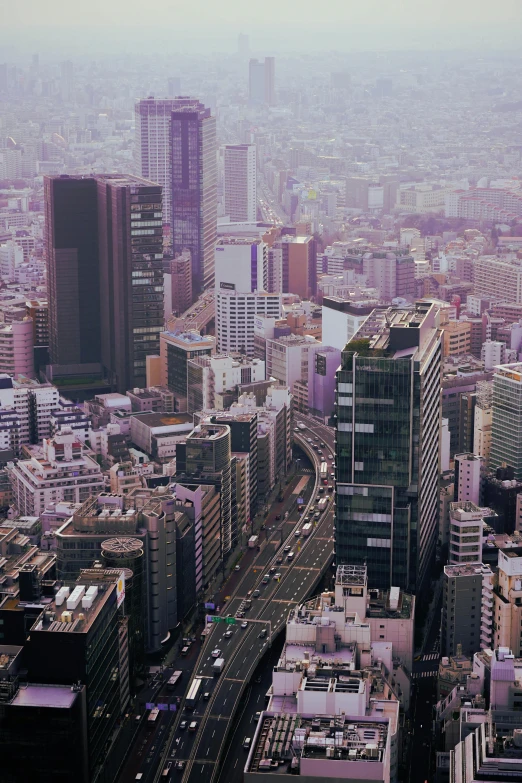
point(457, 338)
point(498, 278)
point(507, 609)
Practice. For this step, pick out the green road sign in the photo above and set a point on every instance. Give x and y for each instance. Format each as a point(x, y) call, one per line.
point(230, 620)
point(217, 619)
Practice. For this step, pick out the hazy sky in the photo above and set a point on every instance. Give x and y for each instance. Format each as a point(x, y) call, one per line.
point(395, 24)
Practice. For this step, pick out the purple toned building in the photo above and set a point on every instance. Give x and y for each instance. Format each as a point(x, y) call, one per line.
point(323, 362)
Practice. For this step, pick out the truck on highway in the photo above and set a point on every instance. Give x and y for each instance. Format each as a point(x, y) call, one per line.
point(252, 542)
point(174, 679)
point(153, 717)
point(217, 666)
point(306, 529)
point(193, 694)
point(321, 506)
point(323, 472)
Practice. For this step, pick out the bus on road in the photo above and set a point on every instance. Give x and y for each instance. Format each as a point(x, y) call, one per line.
point(174, 679)
point(306, 529)
point(323, 472)
point(193, 694)
point(321, 506)
point(153, 717)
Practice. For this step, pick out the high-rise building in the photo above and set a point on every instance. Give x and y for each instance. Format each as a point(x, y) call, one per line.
point(208, 456)
point(236, 315)
point(261, 84)
point(240, 182)
point(16, 348)
point(506, 427)
point(469, 469)
point(105, 275)
point(241, 265)
point(176, 350)
point(131, 277)
point(177, 284)
point(387, 447)
point(467, 608)
point(298, 265)
point(194, 187)
point(73, 281)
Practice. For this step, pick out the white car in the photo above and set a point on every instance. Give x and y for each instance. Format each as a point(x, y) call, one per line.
point(216, 653)
point(244, 625)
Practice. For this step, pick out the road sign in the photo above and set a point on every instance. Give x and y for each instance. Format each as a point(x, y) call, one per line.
point(230, 620)
point(210, 606)
point(217, 619)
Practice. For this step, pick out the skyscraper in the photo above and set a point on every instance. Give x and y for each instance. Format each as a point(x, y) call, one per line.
point(105, 275)
point(261, 81)
point(387, 447)
point(152, 151)
point(240, 182)
point(71, 239)
point(506, 427)
point(194, 188)
point(131, 277)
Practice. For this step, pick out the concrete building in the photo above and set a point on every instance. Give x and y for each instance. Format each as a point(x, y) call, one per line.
point(466, 533)
point(235, 318)
point(467, 608)
point(177, 283)
point(506, 427)
point(483, 420)
point(261, 82)
point(34, 404)
point(287, 358)
point(469, 469)
point(240, 170)
point(507, 610)
point(16, 349)
point(216, 381)
point(375, 484)
point(63, 472)
point(176, 350)
point(157, 434)
point(494, 276)
point(457, 338)
point(341, 319)
point(391, 272)
point(493, 352)
point(11, 256)
point(208, 449)
point(241, 265)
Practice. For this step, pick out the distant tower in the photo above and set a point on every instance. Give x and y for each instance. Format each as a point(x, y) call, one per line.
point(262, 81)
point(240, 182)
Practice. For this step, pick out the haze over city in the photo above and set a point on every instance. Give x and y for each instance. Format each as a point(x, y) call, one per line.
point(260, 392)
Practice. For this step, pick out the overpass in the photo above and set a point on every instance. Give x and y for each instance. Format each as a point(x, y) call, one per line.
point(243, 648)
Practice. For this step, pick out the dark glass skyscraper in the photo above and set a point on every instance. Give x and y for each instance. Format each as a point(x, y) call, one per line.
point(387, 447)
point(71, 238)
point(194, 188)
point(105, 271)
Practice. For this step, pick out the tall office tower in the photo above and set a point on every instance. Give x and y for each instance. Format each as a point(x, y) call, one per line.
point(262, 81)
point(236, 316)
point(174, 86)
point(240, 182)
point(71, 240)
point(152, 152)
point(298, 265)
point(208, 450)
point(506, 426)
point(105, 275)
point(67, 80)
point(194, 188)
point(241, 265)
point(131, 277)
point(387, 447)
point(176, 350)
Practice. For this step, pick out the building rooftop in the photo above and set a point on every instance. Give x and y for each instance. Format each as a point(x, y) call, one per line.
point(466, 569)
point(156, 419)
point(56, 696)
point(351, 575)
point(76, 606)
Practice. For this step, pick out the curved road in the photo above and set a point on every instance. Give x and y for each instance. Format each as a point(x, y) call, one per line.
point(242, 649)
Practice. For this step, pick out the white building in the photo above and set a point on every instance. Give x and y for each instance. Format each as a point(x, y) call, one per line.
point(493, 352)
point(63, 472)
point(466, 533)
point(34, 403)
point(11, 256)
point(241, 264)
point(287, 358)
point(16, 348)
point(468, 477)
point(235, 318)
point(240, 182)
point(341, 319)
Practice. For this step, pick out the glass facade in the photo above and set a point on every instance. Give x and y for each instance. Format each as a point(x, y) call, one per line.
point(194, 188)
point(388, 419)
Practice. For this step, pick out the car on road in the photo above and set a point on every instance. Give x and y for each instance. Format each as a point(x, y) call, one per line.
point(288, 548)
point(216, 653)
point(296, 429)
point(309, 440)
point(227, 634)
point(206, 696)
point(256, 594)
point(272, 570)
point(183, 725)
point(297, 533)
point(237, 568)
point(193, 726)
point(180, 765)
point(277, 576)
point(244, 625)
point(262, 635)
point(279, 560)
point(322, 444)
point(330, 456)
point(277, 517)
point(246, 742)
point(256, 716)
point(167, 769)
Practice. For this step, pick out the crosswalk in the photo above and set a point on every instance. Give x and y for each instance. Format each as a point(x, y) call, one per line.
point(430, 657)
point(418, 675)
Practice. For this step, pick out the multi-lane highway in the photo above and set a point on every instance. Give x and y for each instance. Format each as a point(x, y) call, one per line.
point(290, 581)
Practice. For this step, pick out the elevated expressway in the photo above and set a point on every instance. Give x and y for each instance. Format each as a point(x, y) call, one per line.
point(202, 750)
